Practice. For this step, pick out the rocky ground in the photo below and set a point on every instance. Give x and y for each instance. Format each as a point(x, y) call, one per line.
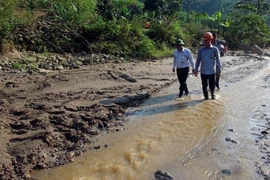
point(53, 107)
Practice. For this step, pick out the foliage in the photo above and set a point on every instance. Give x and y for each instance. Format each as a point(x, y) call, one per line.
point(216, 21)
point(188, 6)
point(259, 7)
point(119, 8)
point(118, 26)
point(74, 12)
point(249, 28)
point(210, 7)
point(6, 17)
point(16, 65)
point(32, 5)
point(164, 33)
point(119, 36)
point(162, 7)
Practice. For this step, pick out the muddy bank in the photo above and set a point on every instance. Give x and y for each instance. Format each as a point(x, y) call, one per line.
point(49, 118)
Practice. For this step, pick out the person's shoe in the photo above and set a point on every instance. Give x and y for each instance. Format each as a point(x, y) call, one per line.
point(186, 93)
point(205, 94)
point(179, 95)
point(213, 96)
point(218, 87)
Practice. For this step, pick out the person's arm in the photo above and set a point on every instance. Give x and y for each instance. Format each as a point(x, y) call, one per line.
point(218, 63)
point(174, 62)
point(225, 44)
point(191, 61)
point(198, 61)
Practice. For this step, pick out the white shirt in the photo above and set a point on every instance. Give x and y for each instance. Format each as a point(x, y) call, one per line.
point(182, 59)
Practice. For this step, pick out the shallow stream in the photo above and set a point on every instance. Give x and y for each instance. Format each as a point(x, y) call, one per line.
point(190, 138)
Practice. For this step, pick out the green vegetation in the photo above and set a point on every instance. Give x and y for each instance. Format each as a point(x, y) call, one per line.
point(118, 26)
point(16, 66)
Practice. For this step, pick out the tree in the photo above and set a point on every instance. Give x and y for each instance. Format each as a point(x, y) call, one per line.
point(216, 21)
point(248, 28)
point(189, 3)
point(6, 19)
point(162, 7)
point(260, 7)
point(110, 9)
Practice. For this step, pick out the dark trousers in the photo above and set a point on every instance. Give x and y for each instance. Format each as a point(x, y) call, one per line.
point(182, 74)
point(208, 79)
point(217, 80)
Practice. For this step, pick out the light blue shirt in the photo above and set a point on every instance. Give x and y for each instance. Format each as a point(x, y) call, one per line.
point(209, 59)
point(182, 59)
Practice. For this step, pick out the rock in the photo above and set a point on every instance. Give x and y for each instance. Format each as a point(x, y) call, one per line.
point(59, 68)
point(244, 47)
point(256, 49)
point(70, 155)
point(126, 77)
point(226, 171)
point(162, 175)
point(44, 71)
point(79, 63)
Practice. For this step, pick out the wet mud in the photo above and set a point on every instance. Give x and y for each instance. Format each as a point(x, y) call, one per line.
point(49, 119)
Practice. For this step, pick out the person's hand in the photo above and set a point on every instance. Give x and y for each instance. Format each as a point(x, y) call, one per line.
point(195, 72)
point(173, 70)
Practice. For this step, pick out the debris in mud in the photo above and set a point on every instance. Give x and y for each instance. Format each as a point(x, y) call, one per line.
point(226, 171)
point(162, 175)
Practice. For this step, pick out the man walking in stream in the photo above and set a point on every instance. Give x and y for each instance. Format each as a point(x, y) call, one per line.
point(182, 59)
point(209, 59)
point(222, 47)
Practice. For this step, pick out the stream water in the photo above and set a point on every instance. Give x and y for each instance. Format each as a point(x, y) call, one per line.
point(186, 137)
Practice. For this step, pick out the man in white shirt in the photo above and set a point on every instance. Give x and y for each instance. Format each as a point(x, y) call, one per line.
point(182, 59)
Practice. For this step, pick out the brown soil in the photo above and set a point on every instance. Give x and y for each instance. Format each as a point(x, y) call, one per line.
point(48, 119)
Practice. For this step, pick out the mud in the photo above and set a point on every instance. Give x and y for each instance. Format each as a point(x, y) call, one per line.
point(49, 118)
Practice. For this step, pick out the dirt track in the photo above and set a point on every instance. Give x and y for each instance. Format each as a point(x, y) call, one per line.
point(47, 119)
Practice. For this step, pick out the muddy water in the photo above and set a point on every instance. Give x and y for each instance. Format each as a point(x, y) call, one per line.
point(184, 137)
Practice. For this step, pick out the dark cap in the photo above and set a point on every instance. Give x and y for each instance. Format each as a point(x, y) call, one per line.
point(179, 42)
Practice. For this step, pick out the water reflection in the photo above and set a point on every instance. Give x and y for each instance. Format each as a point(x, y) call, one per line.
point(149, 110)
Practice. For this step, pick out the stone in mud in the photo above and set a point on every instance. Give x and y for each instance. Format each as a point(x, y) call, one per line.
point(245, 47)
point(256, 49)
point(226, 171)
point(162, 175)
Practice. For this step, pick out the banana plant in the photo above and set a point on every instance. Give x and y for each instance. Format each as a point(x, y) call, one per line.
point(216, 21)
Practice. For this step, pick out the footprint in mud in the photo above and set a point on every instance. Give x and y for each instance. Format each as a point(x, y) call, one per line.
point(262, 132)
point(12, 85)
